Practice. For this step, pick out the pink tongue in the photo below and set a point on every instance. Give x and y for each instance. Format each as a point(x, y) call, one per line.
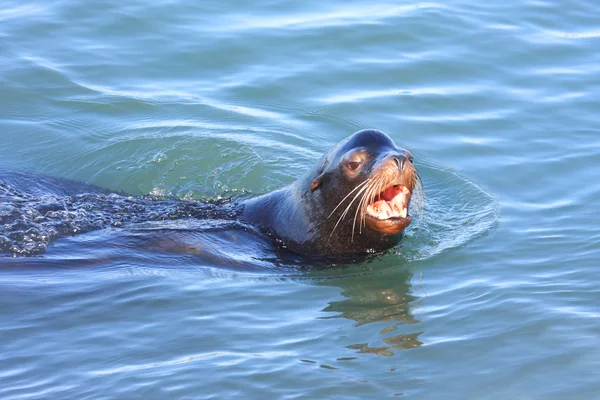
point(391, 192)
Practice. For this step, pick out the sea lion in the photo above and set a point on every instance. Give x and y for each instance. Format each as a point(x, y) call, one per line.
point(355, 200)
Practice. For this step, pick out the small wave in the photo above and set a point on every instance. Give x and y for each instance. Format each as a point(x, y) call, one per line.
point(348, 15)
point(456, 211)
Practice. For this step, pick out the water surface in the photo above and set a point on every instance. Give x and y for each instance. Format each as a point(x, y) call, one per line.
point(492, 294)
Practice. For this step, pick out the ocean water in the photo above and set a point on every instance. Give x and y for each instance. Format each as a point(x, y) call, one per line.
point(494, 292)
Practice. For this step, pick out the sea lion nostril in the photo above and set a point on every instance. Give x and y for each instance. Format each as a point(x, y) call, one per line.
point(400, 162)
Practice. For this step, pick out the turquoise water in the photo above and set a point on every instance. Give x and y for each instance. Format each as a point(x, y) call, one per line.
point(493, 294)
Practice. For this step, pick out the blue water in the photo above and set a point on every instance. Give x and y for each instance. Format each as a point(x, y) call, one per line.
point(493, 294)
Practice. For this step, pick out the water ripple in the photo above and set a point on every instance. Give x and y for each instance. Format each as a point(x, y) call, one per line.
point(197, 99)
point(364, 14)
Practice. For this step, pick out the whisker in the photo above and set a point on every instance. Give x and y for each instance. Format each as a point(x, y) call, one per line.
point(419, 195)
point(346, 211)
point(348, 207)
point(354, 199)
point(368, 200)
point(348, 195)
point(360, 207)
point(376, 193)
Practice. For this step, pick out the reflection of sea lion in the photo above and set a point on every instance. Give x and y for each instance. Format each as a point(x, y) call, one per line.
point(386, 298)
point(355, 200)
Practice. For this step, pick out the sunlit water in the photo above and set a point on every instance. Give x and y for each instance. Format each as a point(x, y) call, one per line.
point(492, 294)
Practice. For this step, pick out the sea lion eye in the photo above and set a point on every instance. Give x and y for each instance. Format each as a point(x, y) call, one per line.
point(410, 159)
point(353, 165)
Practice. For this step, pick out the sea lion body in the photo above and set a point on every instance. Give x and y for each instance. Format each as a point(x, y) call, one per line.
point(354, 200)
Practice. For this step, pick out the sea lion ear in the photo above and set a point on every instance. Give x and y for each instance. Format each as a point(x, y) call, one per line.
point(319, 179)
point(316, 183)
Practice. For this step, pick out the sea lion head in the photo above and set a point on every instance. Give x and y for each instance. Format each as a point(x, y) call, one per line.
point(362, 189)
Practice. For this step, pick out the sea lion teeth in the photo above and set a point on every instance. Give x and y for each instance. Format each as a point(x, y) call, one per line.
point(396, 207)
point(399, 201)
point(386, 207)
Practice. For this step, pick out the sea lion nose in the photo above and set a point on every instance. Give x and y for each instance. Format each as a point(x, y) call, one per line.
point(400, 161)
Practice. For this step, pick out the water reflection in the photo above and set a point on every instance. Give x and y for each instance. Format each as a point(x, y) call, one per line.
point(379, 298)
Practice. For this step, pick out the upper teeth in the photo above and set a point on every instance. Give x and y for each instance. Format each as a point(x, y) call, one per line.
point(382, 210)
point(397, 207)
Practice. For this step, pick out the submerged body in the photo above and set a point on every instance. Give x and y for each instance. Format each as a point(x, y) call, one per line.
point(355, 200)
point(36, 210)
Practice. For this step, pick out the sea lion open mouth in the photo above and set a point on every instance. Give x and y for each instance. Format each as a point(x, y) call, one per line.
point(388, 212)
